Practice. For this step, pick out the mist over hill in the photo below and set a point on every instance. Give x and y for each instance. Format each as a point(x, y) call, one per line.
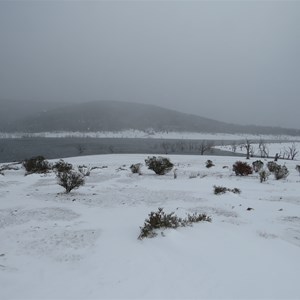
point(114, 116)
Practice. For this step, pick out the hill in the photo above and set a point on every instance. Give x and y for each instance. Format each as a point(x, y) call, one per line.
point(115, 116)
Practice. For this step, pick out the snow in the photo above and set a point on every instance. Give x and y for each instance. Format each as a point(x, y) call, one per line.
point(132, 133)
point(84, 245)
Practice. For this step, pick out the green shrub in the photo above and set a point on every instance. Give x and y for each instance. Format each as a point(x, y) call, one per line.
point(160, 165)
point(222, 190)
point(242, 168)
point(37, 164)
point(161, 220)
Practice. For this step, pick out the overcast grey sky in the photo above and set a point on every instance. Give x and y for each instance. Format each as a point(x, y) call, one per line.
point(236, 61)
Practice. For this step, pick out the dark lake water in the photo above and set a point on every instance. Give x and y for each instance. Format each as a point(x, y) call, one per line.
point(20, 149)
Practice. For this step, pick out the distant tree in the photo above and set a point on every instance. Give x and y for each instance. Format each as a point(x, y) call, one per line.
point(291, 152)
point(247, 146)
point(233, 146)
point(205, 146)
point(166, 146)
point(81, 148)
point(263, 149)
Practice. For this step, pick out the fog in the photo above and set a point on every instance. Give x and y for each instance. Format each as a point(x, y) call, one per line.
point(234, 61)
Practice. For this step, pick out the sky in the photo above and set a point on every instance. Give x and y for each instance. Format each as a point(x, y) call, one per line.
point(234, 61)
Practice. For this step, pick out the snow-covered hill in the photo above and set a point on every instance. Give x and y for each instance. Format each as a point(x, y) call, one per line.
point(84, 244)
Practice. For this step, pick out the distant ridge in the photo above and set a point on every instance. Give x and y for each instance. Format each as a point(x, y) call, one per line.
point(116, 116)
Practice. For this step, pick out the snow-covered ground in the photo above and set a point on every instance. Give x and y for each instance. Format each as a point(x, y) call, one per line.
point(84, 244)
point(149, 134)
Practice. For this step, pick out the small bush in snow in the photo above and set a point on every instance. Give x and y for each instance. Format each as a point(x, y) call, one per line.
point(195, 218)
point(36, 164)
point(222, 190)
point(263, 175)
point(161, 220)
point(281, 172)
point(209, 164)
point(272, 166)
point(84, 170)
point(8, 167)
point(136, 168)
point(62, 166)
point(242, 168)
point(257, 165)
point(219, 190)
point(160, 165)
point(298, 168)
point(70, 180)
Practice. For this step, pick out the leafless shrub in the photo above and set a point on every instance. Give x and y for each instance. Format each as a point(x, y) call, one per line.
point(70, 180)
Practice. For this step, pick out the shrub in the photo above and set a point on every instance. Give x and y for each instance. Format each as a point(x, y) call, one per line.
point(209, 164)
point(160, 165)
point(70, 180)
point(62, 166)
point(298, 168)
point(84, 170)
point(37, 164)
point(222, 190)
point(263, 175)
point(195, 218)
point(235, 190)
point(161, 220)
point(272, 166)
point(281, 172)
point(257, 165)
point(219, 190)
point(136, 168)
point(242, 168)
point(8, 167)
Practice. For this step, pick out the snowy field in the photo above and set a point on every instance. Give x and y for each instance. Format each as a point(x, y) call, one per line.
point(131, 133)
point(84, 245)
